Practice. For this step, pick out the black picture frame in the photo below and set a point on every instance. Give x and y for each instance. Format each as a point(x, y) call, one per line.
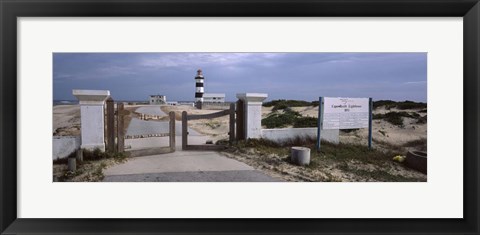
point(10, 10)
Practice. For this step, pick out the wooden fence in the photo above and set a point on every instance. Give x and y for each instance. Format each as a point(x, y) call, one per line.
point(186, 118)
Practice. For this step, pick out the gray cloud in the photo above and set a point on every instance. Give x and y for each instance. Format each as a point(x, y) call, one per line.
point(133, 76)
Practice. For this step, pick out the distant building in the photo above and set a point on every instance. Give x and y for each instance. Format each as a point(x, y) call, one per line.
point(214, 97)
point(158, 99)
point(172, 103)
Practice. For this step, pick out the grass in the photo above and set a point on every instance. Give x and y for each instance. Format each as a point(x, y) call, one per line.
point(396, 118)
point(377, 175)
point(419, 144)
point(341, 151)
point(92, 155)
point(352, 160)
point(92, 166)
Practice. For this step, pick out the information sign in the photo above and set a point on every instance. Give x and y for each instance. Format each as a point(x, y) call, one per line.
point(345, 113)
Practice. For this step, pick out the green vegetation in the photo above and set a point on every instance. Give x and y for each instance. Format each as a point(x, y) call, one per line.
point(303, 122)
point(341, 151)
point(353, 161)
point(422, 120)
point(213, 124)
point(89, 155)
point(402, 105)
point(377, 175)
point(382, 132)
point(396, 118)
point(292, 118)
point(283, 104)
point(420, 144)
point(279, 120)
point(90, 169)
point(289, 117)
point(389, 104)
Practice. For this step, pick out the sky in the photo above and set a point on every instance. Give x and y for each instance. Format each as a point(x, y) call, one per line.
point(300, 76)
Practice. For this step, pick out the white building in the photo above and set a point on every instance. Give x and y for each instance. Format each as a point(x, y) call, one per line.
point(158, 99)
point(214, 97)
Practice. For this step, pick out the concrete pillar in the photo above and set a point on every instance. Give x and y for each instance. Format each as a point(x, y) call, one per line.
point(92, 117)
point(252, 113)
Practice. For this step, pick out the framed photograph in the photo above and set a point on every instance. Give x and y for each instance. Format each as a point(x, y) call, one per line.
point(239, 117)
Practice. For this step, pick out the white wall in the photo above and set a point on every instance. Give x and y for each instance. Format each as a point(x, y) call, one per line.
point(64, 145)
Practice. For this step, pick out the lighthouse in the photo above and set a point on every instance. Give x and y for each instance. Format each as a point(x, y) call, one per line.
point(199, 89)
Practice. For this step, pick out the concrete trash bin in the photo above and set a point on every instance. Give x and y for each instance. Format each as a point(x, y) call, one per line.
point(300, 156)
point(417, 160)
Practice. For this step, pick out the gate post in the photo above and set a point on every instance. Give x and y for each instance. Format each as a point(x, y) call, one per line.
point(252, 113)
point(92, 117)
point(239, 121)
point(120, 124)
point(232, 123)
point(184, 130)
point(172, 131)
point(110, 125)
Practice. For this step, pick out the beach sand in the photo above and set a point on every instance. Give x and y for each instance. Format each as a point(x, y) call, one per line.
point(66, 120)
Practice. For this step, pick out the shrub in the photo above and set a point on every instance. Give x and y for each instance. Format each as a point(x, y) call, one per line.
point(411, 105)
point(279, 106)
point(422, 120)
point(386, 103)
point(349, 130)
point(305, 122)
point(282, 104)
point(402, 105)
point(395, 118)
point(279, 120)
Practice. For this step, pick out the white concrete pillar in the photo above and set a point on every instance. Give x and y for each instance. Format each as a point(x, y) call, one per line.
point(253, 113)
point(92, 117)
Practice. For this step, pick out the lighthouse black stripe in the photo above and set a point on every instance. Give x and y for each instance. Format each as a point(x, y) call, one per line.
point(199, 84)
point(198, 95)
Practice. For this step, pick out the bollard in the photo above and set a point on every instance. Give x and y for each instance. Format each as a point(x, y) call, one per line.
point(72, 164)
point(79, 155)
point(300, 156)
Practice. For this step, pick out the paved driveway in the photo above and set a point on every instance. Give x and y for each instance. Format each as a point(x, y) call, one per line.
point(185, 166)
point(151, 110)
point(179, 166)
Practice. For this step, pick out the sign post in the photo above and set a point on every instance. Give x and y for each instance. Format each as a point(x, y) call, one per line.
point(344, 113)
point(370, 108)
point(319, 122)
